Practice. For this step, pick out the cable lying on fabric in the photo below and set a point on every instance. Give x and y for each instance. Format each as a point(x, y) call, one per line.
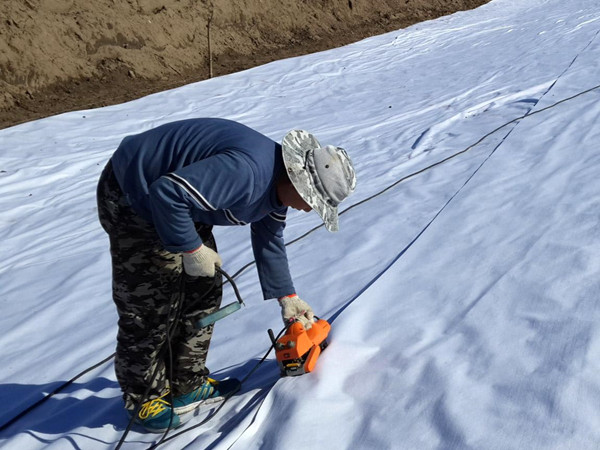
point(431, 166)
point(171, 331)
point(389, 187)
point(27, 410)
point(216, 411)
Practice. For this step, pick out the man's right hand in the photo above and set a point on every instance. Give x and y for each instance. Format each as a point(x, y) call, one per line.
point(201, 262)
point(294, 308)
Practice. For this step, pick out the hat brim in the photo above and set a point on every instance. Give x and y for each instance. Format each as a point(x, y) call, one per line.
point(296, 144)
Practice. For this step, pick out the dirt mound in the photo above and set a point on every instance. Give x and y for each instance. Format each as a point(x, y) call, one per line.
point(60, 55)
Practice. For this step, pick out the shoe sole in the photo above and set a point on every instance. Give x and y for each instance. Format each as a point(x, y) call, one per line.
point(192, 406)
point(157, 430)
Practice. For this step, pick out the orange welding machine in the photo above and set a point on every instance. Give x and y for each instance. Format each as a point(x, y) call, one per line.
point(298, 349)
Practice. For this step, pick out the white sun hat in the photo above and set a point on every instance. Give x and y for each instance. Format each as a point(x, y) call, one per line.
point(323, 176)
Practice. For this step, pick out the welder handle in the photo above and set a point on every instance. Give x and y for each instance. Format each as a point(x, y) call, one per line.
point(218, 315)
point(225, 310)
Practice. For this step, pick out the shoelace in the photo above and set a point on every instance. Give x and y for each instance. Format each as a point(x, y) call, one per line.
point(154, 407)
point(208, 388)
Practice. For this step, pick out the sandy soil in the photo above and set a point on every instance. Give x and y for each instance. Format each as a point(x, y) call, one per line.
point(62, 55)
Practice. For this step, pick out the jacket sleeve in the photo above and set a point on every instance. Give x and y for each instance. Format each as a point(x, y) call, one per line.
point(215, 183)
point(271, 256)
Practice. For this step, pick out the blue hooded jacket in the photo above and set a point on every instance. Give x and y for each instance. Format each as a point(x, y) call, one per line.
point(212, 171)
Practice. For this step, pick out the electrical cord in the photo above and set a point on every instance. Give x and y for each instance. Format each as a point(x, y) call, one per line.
point(225, 399)
point(40, 402)
point(171, 329)
point(246, 266)
point(425, 169)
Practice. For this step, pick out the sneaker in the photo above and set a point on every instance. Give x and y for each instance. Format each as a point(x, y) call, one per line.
point(155, 415)
point(210, 392)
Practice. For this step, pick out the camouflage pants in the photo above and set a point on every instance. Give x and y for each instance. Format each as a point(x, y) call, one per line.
point(152, 296)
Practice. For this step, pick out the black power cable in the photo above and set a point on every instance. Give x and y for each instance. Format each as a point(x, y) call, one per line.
point(431, 166)
point(225, 399)
point(243, 268)
point(337, 313)
point(172, 325)
point(171, 329)
point(40, 402)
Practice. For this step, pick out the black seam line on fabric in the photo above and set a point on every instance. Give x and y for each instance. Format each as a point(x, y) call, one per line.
point(570, 65)
point(255, 415)
point(528, 114)
point(410, 244)
point(405, 249)
point(26, 411)
point(243, 268)
point(409, 176)
point(186, 186)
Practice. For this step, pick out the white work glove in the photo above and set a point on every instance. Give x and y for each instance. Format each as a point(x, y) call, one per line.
point(294, 308)
point(201, 262)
